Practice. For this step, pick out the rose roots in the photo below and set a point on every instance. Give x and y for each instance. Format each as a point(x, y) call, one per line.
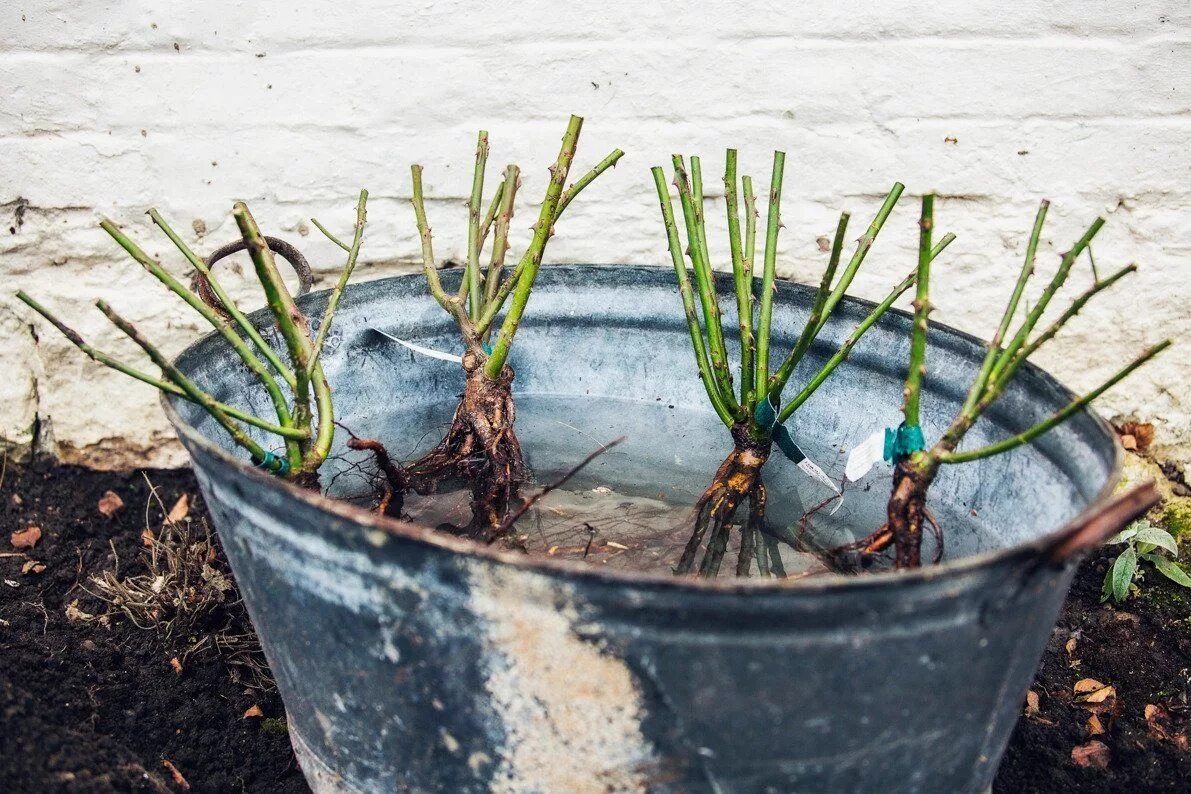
point(481, 449)
point(738, 479)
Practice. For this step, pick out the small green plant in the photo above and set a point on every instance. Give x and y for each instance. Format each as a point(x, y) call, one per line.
point(1143, 542)
point(304, 432)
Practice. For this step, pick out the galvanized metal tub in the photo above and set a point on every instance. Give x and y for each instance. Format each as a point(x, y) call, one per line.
point(409, 660)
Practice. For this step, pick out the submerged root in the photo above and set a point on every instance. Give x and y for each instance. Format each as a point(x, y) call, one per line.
point(738, 479)
point(481, 449)
point(396, 482)
point(907, 514)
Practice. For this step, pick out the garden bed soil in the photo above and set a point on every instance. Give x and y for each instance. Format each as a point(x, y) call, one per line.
point(91, 705)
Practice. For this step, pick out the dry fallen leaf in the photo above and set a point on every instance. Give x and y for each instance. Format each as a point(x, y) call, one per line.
point(1087, 685)
point(180, 510)
point(1033, 708)
point(1156, 722)
point(147, 537)
point(178, 779)
point(1071, 644)
point(1093, 754)
point(1095, 726)
point(26, 538)
point(1140, 433)
point(253, 711)
point(1098, 696)
point(110, 503)
point(176, 665)
point(32, 566)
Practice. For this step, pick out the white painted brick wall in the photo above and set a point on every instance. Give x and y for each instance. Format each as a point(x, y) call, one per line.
point(107, 108)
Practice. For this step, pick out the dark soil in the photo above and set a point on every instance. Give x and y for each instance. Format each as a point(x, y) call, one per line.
point(84, 707)
point(88, 707)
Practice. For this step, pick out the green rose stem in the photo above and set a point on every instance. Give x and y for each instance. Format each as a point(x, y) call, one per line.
point(306, 445)
point(915, 470)
point(481, 447)
point(751, 418)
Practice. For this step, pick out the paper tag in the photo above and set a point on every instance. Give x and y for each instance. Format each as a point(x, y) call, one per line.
point(864, 456)
point(425, 351)
point(785, 442)
point(812, 470)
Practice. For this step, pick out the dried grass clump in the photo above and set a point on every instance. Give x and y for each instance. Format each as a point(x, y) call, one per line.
point(180, 593)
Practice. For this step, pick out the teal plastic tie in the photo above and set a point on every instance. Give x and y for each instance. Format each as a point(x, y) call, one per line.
point(274, 463)
point(785, 442)
point(902, 442)
point(766, 416)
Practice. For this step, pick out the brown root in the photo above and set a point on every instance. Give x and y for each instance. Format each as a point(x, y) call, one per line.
point(737, 479)
point(392, 500)
point(481, 449)
point(907, 514)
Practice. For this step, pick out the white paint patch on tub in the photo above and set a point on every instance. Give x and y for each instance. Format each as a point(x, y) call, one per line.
point(570, 712)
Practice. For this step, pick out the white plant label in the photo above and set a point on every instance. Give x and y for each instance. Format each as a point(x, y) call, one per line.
point(864, 456)
point(812, 470)
point(425, 351)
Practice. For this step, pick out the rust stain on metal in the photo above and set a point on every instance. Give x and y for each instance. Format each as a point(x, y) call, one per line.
point(571, 712)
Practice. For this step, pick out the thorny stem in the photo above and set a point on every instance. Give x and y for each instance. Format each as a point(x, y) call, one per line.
point(1056, 419)
point(453, 306)
point(107, 360)
point(1005, 358)
point(258, 368)
point(1074, 309)
point(490, 217)
point(327, 233)
point(994, 346)
point(337, 292)
point(542, 232)
point(195, 302)
point(487, 301)
point(861, 328)
point(472, 274)
point(862, 249)
point(749, 364)
point(692, 212)
point(743, 283)
point(826, 302)
point(296, 333)
point(500, 243)
point(229, 305)
point(765, 319)
point(688, 298)
point(577, 186)
point(506, 288)
point(922, 310)
point(192, 391)
point(778, 381)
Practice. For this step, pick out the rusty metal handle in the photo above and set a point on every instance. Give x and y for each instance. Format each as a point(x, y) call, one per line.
point(278, 246)
point(1115, 514)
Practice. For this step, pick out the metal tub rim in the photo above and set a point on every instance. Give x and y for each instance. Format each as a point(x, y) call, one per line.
point(369, 521)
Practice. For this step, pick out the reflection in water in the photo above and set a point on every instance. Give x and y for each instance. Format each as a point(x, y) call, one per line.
point(633, 507)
